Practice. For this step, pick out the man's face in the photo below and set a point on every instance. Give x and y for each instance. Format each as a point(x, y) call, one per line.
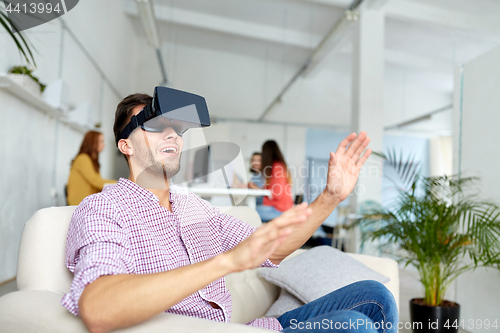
point(156, 153)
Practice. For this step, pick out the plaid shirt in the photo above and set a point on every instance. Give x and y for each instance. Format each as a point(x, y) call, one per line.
point(124, 230)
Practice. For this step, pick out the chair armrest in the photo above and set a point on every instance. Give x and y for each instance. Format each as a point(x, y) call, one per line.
point(40, 311)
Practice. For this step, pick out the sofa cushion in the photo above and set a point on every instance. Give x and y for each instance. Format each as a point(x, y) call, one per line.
point(284, 303)
point(319, 271)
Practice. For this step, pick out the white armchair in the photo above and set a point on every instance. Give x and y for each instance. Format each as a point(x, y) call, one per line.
point(43, 279)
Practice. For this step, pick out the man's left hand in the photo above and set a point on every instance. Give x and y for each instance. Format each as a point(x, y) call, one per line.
point(344, 166)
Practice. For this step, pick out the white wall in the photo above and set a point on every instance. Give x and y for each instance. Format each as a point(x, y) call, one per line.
point(37, 150)
point(478, 292)
point(410, 93)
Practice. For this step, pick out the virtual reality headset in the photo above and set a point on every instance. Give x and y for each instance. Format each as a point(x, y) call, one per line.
point(170, 108)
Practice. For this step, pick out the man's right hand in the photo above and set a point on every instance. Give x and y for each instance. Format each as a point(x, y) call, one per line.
point(254, 250)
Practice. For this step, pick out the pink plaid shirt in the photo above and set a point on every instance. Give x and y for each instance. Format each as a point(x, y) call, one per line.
point(124, 230)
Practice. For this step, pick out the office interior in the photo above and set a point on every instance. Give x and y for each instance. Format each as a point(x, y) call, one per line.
point(419, 76)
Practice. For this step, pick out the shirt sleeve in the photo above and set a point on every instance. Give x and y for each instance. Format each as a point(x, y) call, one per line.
point(96, 245)
point(234, 231)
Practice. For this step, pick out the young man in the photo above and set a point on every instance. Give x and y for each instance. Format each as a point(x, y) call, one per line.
point(145, 246)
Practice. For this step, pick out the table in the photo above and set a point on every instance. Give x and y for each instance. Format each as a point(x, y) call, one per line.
point(249, 194)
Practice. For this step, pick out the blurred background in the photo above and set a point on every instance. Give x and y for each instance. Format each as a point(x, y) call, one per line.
point(304, 73)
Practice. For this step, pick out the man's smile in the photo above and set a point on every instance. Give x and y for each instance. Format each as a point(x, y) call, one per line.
point(169, 150)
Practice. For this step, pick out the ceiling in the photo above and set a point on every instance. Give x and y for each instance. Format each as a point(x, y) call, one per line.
point(424, 41)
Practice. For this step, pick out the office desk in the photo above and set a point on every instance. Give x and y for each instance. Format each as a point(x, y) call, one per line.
point(249, 194)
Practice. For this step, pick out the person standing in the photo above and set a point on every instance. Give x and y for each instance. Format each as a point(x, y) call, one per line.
point(256, 179)
point(84, 178)
point(277, 179)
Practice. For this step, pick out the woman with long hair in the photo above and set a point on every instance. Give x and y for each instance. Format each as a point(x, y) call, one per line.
point(84, 178)
point(277, 179)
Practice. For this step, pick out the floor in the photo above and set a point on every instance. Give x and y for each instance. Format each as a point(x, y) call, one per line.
point(408, 282)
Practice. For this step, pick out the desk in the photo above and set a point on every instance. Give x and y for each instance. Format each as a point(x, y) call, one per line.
point(249, 194)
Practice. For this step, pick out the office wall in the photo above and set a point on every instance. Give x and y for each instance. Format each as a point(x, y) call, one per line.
point(37, 149)
point(411, 92)
point(475, 141)
point(415, 147)
point(320, 142)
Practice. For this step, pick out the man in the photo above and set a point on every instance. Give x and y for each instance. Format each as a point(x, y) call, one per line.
point(145, 246)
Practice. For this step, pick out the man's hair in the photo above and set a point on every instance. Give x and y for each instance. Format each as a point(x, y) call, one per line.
point(123, 112)
point(124, 109)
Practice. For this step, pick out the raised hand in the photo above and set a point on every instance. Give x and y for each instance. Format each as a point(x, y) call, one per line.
point(344, 166)
point(254, 250)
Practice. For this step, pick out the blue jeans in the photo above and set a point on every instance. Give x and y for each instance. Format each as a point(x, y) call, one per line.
point(361, 307)
point(267, 213)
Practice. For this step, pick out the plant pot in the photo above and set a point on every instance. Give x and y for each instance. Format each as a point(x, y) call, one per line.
point(26, 82)
point(434, 319)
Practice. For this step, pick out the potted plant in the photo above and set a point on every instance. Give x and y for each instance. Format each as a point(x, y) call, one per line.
point(22, 75)
point(443, 230)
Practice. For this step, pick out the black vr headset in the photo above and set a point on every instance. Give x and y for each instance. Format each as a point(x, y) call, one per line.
point(170, 108)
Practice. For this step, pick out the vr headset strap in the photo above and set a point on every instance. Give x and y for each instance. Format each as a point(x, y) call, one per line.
point(136, 121)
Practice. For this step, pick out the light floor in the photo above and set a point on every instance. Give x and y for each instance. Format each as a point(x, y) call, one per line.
point(409, 287)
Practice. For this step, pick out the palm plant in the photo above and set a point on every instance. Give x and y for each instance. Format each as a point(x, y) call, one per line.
point(444, 230)
point(18, 38)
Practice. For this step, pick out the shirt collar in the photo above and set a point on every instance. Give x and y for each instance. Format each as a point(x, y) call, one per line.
point(135, 190)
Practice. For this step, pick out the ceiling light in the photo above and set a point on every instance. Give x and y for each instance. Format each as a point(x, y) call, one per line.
point(148, 19)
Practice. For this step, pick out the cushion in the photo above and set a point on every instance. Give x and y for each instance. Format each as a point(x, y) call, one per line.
point(284, 303)
point(318, 272)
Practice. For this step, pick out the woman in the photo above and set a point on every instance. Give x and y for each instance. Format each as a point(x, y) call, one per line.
point(84, 178)
point(256, 180)
point(277, 179)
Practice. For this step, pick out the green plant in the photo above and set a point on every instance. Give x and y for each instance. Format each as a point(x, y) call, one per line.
point(25, 70)
point(17, 37)
point(439, 228)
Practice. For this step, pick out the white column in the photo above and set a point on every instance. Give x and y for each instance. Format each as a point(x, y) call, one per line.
point(368, 101)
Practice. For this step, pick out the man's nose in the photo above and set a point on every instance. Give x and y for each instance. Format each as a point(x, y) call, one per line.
point(170, 133)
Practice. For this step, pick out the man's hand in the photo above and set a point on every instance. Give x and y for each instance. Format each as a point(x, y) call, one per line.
point(254, 250)
point(344, 166)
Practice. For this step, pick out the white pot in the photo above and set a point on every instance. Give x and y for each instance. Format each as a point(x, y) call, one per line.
point(27, 82)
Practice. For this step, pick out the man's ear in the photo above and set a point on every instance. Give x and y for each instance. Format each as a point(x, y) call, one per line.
point(125, 147)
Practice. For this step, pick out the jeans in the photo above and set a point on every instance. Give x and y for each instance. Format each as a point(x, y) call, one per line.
point(361, 307)
point(267, 213)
